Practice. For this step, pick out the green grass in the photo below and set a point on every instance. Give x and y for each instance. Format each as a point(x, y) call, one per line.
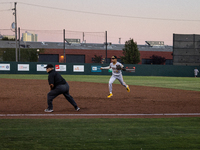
point(100, 134)
point(184, 83)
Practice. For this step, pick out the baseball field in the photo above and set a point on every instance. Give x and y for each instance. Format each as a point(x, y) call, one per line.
point(158, 113)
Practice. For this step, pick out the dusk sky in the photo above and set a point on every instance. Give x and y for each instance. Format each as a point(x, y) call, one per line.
point(180, 16)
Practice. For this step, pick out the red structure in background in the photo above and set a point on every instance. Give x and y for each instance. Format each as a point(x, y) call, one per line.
point(89, 54)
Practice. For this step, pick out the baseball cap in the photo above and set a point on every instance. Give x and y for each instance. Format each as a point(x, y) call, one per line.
point(114, 57)
point(49, 66)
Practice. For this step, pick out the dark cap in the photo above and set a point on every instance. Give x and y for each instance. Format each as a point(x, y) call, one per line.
point(114, 57)
point(49, 66)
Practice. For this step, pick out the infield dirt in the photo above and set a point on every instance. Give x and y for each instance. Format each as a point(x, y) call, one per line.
point(30, 97)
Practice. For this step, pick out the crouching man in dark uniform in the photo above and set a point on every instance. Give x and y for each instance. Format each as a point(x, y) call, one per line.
point(58, 86)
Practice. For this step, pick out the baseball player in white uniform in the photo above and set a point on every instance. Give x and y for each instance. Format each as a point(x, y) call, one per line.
point(116, 74)
point(196, 71)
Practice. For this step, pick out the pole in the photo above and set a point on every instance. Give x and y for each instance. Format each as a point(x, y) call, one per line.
point(64, 43)
point(16, 32)
point(106, 44)
point(19, 41)
point(173, 46)
point(83, 38)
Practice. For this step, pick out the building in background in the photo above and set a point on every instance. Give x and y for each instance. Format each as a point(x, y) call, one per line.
point(29, 37)
point(73, 41)
point(155, 43)
point(1, 36)
point(85, 52)
point(7, 36)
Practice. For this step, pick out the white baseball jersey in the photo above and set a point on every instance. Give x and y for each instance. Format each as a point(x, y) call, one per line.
point(196, 71)
point(114, 70)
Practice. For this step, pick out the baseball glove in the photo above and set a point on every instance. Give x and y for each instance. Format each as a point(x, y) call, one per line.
point(118, 67)
point(123, 69)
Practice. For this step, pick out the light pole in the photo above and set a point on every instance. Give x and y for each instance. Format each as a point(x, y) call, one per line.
point(106, 44)
point(15, 13)
point(64, 44)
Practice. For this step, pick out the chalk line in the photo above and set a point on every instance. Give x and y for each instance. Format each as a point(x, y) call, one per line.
point(91, 115)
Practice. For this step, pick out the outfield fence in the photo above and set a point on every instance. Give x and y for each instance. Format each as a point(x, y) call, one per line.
point(94, 69)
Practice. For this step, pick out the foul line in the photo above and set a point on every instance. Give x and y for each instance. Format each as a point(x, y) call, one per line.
point(89, 115)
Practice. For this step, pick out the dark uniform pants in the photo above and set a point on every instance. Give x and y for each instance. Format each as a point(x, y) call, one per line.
point(60, 89)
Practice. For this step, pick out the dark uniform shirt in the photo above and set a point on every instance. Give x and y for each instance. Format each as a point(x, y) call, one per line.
point(55, 78)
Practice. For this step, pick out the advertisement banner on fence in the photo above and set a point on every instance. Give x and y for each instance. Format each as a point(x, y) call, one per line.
point(40, 67)
point(130, 69)
point(5, 67)
point(61, 67)
point(95, 69)
point(78, 68)
point(23, 67)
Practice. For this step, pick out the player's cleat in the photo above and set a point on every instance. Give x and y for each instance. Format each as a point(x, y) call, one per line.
point(110, 95)
point(77, 108)
point(128, 89)
point(48, 110)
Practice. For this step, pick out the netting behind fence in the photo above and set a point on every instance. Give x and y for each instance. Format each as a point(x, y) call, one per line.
point(54, 35)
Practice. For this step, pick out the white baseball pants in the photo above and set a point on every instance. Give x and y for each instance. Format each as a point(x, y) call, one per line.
point(113, 78)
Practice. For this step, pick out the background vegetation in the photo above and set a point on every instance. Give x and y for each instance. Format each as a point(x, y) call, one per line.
point(26, 54)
